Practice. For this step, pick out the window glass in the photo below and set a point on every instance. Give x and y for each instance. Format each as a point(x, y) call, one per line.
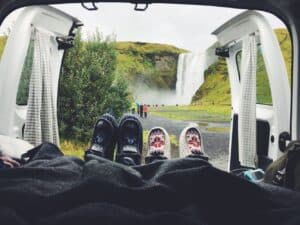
point(263, 90)
point(23, 90)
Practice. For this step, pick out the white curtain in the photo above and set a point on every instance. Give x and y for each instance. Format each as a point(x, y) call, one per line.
point(247, 113)
point(41, 122)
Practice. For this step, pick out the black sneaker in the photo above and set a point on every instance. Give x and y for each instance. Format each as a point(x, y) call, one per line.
point(104, 137)
point(130, 141)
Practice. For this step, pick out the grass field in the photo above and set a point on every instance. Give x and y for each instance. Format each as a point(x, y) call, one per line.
point(218, 129)
point(73, 148)
point(206, 113)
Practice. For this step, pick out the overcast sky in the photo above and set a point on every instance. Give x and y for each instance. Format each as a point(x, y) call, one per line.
point(184, 26)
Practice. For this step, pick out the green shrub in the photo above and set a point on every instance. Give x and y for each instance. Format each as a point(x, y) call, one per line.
point(87, 88)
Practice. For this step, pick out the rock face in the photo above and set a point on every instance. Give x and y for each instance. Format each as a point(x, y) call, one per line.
point(166, 65)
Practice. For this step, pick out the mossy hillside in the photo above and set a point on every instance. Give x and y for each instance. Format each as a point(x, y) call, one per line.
point(286, 48)
point(152, 64)
point(148, 48)
point(216, 88)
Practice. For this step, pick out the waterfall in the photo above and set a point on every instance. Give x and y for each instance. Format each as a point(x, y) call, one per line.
point(190, 75)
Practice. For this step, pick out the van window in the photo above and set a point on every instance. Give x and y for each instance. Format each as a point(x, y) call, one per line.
point(23, 90)
point(263, 90)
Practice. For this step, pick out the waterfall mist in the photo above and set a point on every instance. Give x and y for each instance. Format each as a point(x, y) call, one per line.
point(153, 96)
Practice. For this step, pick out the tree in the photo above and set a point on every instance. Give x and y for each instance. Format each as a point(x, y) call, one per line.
point(117, 100)
point(88, 87)
point(70, 89)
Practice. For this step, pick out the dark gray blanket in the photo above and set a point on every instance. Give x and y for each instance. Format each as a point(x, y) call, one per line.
point(55, 189)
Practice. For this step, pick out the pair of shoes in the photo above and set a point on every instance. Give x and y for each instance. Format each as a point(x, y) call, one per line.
point(128, 135)
point(190, 144)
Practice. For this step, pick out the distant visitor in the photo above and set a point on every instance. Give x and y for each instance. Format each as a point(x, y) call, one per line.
point(137, 108)
point(141, 110)
point(145, 109)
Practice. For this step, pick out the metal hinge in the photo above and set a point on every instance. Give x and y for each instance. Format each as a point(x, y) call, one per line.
point(93, 6)
point(138, 7)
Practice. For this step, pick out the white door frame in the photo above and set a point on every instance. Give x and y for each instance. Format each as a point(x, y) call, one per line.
point(232, 33)
point(49, 19)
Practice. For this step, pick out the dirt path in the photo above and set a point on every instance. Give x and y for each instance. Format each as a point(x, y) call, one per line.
point(215, 144)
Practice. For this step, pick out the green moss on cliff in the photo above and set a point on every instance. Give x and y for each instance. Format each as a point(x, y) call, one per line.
point(152, 64)
point(215, 89)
